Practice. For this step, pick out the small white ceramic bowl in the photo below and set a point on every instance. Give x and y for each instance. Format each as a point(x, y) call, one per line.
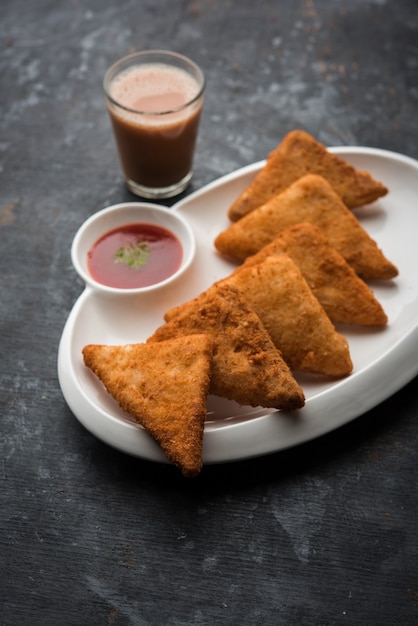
point(128, 213)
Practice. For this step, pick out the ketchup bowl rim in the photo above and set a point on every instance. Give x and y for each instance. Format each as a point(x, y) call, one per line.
point(122, 214)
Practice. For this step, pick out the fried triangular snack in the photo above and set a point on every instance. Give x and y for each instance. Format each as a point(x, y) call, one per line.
point(247, 367)
point(162, 386)
point(293, 317)
point(299, 154)
point(309, 199)
point(343, 295)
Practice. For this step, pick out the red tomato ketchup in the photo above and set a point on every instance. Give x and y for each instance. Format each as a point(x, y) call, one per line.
point(134, 255)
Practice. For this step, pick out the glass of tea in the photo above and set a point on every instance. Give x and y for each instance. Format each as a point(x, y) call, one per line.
point(155, 99)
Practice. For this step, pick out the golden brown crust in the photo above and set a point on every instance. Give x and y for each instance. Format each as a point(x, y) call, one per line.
point(344, 296)
point(247, 367)
point(309, 199)
point(164, 388)
point(293, 317)
point(300, 154)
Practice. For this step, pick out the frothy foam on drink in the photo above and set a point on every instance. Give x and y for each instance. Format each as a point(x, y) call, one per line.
point(153, 88)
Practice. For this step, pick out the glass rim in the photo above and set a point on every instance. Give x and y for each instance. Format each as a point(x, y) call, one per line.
point(157, 53)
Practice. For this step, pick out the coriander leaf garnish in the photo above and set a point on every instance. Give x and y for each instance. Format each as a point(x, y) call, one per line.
point(134, 255)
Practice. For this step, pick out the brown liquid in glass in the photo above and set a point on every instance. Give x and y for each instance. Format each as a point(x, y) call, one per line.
point(156, 150)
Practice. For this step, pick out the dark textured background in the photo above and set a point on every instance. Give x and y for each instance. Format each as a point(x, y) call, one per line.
point(324, 534)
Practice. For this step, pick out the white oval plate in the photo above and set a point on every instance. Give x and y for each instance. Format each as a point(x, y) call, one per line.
point(384, 360)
